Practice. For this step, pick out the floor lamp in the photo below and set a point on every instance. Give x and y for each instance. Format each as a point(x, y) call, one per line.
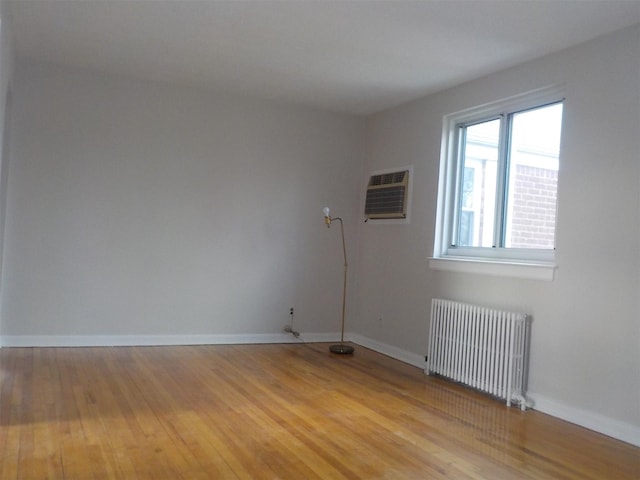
point(341, 348)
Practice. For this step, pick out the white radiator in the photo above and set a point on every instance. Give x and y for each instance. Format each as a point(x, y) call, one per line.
point(480, 347)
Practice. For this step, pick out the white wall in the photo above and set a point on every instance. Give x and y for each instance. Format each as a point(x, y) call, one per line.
point(585, 357)
point(137, 208)
point(6, 71)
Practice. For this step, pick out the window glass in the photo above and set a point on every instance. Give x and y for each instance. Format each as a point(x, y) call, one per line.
point(508, 180)
point(477, 206)
point(534, 150)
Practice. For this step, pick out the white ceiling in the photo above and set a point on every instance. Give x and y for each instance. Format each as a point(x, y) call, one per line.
point(349, 56)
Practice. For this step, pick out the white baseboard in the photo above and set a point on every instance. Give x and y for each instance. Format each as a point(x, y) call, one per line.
point(158, 340)
point(320, 337)
point(389, 350)
point(593, 421)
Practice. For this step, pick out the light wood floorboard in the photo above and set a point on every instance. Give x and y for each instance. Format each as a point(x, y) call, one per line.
point(291, 411)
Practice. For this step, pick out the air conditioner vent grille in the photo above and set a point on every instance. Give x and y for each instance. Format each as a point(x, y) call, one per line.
point(385, 201)
point(387, 178)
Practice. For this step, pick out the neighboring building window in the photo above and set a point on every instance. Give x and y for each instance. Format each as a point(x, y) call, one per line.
point(499, 184)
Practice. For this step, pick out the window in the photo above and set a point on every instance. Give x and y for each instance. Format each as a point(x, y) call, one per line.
point(499, 186)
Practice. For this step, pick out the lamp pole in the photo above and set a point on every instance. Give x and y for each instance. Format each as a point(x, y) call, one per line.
point(341, 348)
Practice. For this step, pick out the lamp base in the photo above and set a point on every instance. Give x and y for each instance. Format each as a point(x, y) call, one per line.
point(341, 349)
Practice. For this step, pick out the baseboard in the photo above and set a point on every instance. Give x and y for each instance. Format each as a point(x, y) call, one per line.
point(389, 350)
point(319, 337)
point(593, 421)
point(158, 340)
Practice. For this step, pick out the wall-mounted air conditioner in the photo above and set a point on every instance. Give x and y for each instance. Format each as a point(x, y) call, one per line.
point(388, 195)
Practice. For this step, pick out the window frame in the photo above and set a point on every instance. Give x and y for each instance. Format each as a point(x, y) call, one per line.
point(501, 261)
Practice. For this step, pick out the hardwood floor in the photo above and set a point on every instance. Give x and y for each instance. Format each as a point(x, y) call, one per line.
point(272, 412)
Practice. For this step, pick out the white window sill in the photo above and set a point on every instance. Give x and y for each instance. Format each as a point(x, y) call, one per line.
point(500, 268)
